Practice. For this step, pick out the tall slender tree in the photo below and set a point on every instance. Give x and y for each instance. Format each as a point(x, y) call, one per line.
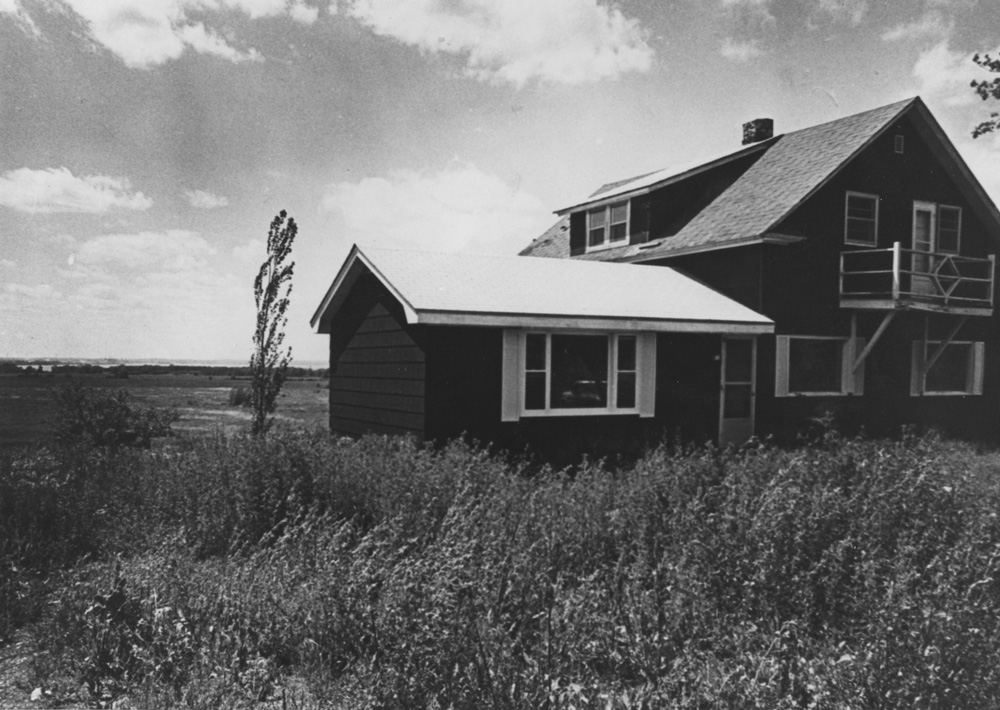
point(271, 289)
point(987, 90)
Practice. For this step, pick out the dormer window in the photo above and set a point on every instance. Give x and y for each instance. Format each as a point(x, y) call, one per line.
point(607, 226)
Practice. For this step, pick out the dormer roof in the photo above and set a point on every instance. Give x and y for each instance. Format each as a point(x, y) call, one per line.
point(789, 169)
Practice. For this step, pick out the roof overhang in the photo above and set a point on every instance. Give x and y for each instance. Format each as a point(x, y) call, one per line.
point(357, 264)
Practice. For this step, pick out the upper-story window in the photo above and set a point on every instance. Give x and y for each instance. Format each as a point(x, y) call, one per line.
point(861, 219)
point(949, 228)
point(607, 226)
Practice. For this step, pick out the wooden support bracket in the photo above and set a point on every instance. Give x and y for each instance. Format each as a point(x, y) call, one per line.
point(942, 345)
point(875, 338)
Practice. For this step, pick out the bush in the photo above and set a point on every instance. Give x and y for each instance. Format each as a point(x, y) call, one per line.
point(95, 417)
point(239, 397)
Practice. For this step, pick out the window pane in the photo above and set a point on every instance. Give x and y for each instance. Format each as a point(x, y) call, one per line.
point(861, 219)
point(949, 223)
point(626, 390)
point(861, 207)
point(596, 237)
point(626, 352)
point(814, 365)
point(950, 372)
point(534, 390)
point(579, 371)
point(739, 360)
point(618, 232)
point(619, 212)
point(922, 230)
point(534, 351)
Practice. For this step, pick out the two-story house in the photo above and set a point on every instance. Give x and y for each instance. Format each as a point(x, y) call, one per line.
point(845, 268)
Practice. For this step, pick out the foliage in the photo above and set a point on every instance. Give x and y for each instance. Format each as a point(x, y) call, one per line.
point(272, 288)
point(986, 90)
point(97, 417)
point(842, 574)
point(239, 397)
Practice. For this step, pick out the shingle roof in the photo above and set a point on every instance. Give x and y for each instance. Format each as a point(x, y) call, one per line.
point(792, 167)
point(508, 291)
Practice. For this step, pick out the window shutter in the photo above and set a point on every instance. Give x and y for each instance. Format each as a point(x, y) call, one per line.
point(646, 356)
point(917, 368)
point(978, 358)
point(781, 367)
point(510, 400)
point(855, 381)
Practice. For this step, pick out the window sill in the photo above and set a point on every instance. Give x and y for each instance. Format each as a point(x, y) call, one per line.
point(606, 247)
point(869, 245)
point(947, 394)
point(817, 394)
point(539, 413)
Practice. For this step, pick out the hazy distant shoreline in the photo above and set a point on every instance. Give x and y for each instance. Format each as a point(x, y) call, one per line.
point(137, 362)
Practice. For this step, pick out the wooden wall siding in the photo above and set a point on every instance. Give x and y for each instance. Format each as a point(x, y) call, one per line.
point(734, 272)
point(801, 293)
point(464, 370)
point(377, 367)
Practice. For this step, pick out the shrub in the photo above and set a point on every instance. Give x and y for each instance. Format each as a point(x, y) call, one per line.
point(239, 397)
point(95, 417)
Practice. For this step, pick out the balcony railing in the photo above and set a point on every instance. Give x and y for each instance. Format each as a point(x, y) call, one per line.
point(897, 277)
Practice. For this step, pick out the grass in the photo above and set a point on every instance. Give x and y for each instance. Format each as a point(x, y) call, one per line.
point(232, 572)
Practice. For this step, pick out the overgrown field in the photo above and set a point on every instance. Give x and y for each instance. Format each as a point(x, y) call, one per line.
point(229, 572)
point(202, 401)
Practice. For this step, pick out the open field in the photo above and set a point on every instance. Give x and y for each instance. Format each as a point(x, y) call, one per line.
point(201, 400)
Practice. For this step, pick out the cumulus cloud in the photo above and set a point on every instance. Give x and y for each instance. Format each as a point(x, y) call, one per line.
point(944, 74)
point(253, 251)
point(172, 250)
point(205, 200)
point(515, 41)
point(931, 25)
point(146, 33)
point(459, 208)
point(741, 52)
point(58, 190)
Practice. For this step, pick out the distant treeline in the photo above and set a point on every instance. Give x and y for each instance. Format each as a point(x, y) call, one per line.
point(124, 371)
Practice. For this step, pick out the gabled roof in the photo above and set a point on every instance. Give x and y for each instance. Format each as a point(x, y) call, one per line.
point(791, 168)
point(508, 291)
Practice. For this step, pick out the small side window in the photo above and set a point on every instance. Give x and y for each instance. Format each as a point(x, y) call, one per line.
point(949, 229)
point(607, 226)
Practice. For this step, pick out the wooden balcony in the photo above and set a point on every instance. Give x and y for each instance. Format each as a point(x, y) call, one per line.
point(898, 278)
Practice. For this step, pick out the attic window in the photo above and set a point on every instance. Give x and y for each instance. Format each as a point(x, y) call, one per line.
point(607, 226)
point(898, 144)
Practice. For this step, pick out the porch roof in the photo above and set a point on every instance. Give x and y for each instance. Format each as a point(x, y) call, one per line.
point(512, 292)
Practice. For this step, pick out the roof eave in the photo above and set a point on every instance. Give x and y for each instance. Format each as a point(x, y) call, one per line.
point(609, 323)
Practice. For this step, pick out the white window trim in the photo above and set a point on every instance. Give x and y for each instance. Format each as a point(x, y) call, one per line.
point(850, 383)
point(973, 375)
point(514, 361)
point(607, 244)
point(847, 198)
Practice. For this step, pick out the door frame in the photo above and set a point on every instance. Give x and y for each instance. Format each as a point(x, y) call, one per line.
point(921, 283)
point(724, 436)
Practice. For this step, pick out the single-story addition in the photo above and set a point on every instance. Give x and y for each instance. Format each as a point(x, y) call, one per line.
point(561, 356)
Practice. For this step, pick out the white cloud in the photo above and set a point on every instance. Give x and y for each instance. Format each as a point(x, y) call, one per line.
point(203, 41)
point(737, 51)
point(930, 25)
point(40, 291)
point(205, 200)
point(944, 74)
point(459, 208)
point(850, 11)
point(172, 250)
point(7, 263)
point(58, 190)
point(253, 251)
point(146, 33)
point(515, 41)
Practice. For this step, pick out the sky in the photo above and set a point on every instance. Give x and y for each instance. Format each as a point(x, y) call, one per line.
point(145, 145)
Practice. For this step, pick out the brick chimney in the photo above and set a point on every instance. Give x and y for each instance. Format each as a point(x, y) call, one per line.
point(759, 129)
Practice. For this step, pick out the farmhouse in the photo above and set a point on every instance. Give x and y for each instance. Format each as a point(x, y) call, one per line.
point(843, 269)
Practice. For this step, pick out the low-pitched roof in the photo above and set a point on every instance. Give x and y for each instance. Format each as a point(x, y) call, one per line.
point(508, 291)
point(790, 169)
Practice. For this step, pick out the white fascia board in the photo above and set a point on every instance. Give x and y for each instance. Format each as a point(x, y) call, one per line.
point(346, 278)
point(518, 320)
